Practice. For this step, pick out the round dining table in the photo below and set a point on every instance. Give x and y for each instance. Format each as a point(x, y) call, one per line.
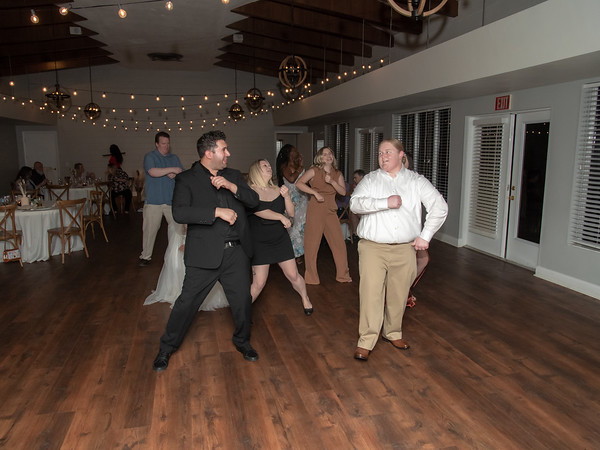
point(34, 223)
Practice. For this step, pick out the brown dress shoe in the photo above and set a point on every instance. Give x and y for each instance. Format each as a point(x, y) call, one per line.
point(361, 354)
point(400, 344)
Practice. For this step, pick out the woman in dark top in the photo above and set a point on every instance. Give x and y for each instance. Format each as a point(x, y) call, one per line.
point(116, 157)
point(268, 225)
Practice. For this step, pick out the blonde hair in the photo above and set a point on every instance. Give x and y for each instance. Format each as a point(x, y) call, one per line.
point(255, 175)
point(395, 142)
point(318, 161)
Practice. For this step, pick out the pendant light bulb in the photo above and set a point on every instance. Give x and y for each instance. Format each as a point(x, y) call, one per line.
point(225, 2)
point(169, 6)
point(34, 18)
point(64, 10)
point(122, 13)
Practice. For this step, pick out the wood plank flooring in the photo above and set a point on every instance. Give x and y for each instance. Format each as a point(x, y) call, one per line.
point(499, 360)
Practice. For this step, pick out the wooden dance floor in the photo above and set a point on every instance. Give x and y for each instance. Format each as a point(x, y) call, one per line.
point(499, 360)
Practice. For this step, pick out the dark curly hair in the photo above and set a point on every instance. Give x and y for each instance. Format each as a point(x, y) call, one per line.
point(116, 152)
point(208, 141)
point(283, 157)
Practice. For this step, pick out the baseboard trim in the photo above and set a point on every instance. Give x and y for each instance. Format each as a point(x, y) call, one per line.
point(593, 290)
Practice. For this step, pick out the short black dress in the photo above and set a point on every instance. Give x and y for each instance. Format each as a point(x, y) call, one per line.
point(270, 239)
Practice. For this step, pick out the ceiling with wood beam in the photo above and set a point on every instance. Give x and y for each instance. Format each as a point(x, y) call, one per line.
point(326, 34)
point(251, 36)
point(57, 41)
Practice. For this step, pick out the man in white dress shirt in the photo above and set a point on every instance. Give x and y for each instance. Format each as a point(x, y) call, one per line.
point(389, 201)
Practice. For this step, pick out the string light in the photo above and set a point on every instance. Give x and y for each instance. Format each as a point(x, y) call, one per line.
point(34, 18)
point(64, 9)
point(122, 13)
point(169, 6)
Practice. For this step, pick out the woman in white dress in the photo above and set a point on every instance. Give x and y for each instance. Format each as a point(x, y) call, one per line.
point(290, 167)
point(171, 276)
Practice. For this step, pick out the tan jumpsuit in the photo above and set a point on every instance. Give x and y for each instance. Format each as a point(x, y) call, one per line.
point(322, 219)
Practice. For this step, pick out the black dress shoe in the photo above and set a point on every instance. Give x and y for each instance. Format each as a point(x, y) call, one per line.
point(161, 362)
point(248, 352)
point(144, 262)
point(308, 311)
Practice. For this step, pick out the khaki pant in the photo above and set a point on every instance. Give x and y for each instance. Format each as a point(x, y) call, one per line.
point(153, 215)
point(386, 274)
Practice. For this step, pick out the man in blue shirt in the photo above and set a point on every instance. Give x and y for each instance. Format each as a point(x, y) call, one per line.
point(161, 166)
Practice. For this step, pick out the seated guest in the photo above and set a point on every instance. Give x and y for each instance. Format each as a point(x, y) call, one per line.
point(24, 179)
point(342, 202)
point(354, 218)
point(119, 186)
point(80, 176)
point(38, 177)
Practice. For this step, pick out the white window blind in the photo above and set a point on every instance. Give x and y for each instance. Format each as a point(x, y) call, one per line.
point(486, 178)
point(369, 140)
point(426, 137)
point(585, 205)
point(336, 138)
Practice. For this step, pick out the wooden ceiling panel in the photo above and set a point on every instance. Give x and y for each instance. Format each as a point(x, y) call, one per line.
point(297, 19)
point(57, 41)
point(327, 34)
point(336, 32)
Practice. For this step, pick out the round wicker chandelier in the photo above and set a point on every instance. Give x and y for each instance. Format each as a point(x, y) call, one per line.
point(292, 71)
point(416, 8)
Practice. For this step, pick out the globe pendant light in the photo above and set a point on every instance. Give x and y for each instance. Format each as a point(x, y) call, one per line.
point(236, 112)
point(58, 100)
point(92, 111)
point(254, 98)
point(292, 70)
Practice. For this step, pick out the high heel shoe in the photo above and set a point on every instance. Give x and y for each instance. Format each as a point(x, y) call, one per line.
point(308, 311)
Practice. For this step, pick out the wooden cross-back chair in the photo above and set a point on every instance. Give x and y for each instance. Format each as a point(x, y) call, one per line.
point(58, 191)
point(71, 224)
point(105, 187)
point(96, 213)
point(8, 230)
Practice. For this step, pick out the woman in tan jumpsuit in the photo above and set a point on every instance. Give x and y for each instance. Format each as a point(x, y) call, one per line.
point(321, 218)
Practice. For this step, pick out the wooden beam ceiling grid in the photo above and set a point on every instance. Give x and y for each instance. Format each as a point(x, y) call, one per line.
point(29, 48)
point(338, 31)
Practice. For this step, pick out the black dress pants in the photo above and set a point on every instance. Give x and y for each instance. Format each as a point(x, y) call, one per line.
point(234, 276)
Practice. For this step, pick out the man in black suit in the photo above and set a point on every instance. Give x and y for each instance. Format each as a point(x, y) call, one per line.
point(211, 199)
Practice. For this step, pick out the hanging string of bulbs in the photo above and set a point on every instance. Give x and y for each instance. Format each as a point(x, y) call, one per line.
point(172, 116)
point(65, 8)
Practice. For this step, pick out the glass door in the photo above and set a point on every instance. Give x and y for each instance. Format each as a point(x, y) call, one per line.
point(528, 178)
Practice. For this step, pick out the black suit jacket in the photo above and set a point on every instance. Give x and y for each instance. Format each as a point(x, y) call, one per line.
point(194, 203)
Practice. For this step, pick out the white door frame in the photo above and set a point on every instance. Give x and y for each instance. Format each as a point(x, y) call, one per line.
point(519, 250)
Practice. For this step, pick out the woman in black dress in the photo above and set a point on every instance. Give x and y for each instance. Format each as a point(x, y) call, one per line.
point(271, 241)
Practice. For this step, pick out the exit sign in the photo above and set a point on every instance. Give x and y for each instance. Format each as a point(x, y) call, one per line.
point(503, 102)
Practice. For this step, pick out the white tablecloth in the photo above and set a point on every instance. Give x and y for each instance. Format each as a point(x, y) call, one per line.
point(82, 192)
point(34, 225)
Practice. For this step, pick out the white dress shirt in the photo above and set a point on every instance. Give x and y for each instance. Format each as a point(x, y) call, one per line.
point(378, 223)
